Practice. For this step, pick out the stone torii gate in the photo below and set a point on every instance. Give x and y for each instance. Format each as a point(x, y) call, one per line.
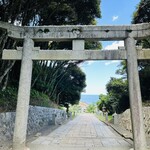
point(78, 35)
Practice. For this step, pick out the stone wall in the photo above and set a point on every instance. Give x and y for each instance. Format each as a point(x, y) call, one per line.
point(39, 117)
point(125, 121)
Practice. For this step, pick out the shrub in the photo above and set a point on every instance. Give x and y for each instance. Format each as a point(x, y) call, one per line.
point(8, 99)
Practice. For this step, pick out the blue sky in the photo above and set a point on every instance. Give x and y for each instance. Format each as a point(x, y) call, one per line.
point(98, 73)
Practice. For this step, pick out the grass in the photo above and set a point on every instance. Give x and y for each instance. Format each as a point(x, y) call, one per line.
point(102, 118)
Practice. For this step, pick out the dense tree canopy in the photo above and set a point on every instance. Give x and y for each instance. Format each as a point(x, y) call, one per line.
point(142, 15)
point(118, 94)
point(103, 102)
point(117, 99)
point(91, 108)
point(142, 12)
point(46, 12)
point(62, 81)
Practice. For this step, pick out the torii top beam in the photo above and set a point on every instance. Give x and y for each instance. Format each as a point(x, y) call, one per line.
point(70, 32)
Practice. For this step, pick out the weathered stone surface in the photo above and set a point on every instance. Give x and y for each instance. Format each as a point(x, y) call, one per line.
point(48, 33)
point(7, 121)
point(85, 132)
point(39, 117)
point(23, 95)
point(76, 54)
point(89, 32)
point(135, 95)
point(68, 55)
point(17, 32)
point(78, 44)
point(125, 121)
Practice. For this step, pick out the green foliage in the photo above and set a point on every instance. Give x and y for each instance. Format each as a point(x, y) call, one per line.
point(75, 109)
point(104, 102)
point(39, 12)
point(117, 98)
point(72, 86)
point(142, 12)
point(118, 94)
point(48, 12)
point(142, 15)
point(62, 81)
point(8, 99)
point(92, 45)
point(91, 108)
point(144, 74)
point(122, 69)
point(39, 99)
point(102, 118)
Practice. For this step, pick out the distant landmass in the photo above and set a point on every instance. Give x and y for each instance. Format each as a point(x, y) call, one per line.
point(89, 99)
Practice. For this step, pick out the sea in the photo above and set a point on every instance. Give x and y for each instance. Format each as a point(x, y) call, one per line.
point(89, 99)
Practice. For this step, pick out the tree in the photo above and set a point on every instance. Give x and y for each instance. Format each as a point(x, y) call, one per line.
point(91, 108)
point(103, 102)
point(122, 69)
point(75, 109)
point(41, 12)
point(118, 93)
point(142, 15)
point(46, 78)
point(74, 84)
point(142, 12)
point(62, 81)
point(117, 96)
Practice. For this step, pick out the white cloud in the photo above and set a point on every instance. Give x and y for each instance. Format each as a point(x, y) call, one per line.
point(86, 63)
point(112, 62)
point(89, 62)
point(114, 45)
point(115, 18)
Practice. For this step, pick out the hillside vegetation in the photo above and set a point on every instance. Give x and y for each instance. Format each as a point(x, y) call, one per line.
point(8, 99)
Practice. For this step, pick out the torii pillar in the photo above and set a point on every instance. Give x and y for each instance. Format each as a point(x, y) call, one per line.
point(19, 138)
point(135, 96)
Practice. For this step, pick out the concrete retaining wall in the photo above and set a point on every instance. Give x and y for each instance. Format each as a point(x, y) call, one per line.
point(39, 117)
point(124, 120)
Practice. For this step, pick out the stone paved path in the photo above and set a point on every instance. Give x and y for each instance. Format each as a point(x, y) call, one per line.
point(85, 132)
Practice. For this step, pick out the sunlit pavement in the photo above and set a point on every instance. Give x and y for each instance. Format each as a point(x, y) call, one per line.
point(85, 132)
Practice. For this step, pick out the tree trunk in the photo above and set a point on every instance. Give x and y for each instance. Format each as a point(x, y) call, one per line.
point(5, 82)
point(5, 72)
point(5, 66)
